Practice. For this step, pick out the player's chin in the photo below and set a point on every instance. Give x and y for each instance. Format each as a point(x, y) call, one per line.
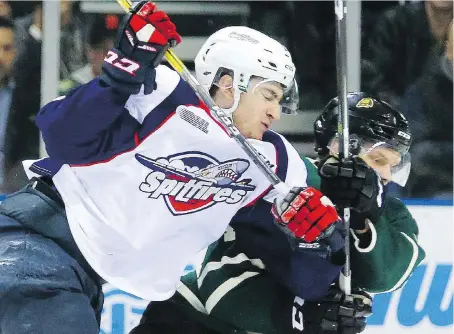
point(258, 136)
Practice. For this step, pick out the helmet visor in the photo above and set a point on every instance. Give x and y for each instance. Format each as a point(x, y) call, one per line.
point(273, 92)
point(389, 162)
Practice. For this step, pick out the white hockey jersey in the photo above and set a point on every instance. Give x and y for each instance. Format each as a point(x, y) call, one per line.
point(150, 180)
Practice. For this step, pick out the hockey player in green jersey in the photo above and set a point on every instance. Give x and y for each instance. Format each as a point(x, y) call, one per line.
point(237, 289)
point(385, 250)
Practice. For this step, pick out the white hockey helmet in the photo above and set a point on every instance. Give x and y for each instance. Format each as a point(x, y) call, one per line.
point(244, 53)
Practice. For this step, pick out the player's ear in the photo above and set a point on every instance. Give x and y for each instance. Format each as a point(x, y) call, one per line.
point(226, 87)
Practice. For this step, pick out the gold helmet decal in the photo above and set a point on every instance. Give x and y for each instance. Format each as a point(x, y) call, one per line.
point(366, 102)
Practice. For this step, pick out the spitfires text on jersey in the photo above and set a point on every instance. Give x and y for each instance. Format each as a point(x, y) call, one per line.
point(193, 181)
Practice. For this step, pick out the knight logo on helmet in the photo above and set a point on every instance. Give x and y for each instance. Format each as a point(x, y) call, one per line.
point(365, 103)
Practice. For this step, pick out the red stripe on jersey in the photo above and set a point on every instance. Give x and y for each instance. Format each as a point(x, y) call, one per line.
point(270, 187)
point(207, 110)
point(252, 202)
point(158, 127)
point(136, 138)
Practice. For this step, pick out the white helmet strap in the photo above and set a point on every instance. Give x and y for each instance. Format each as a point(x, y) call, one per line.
point(236, 101)
point(236, 90)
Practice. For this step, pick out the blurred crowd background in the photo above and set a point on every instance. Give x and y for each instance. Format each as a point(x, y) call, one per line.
point(406, 59)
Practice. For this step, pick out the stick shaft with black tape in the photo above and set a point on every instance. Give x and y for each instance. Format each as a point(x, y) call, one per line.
point(342, 128)
point(219, 115)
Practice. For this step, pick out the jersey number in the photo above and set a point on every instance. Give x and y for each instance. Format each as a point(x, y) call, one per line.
point(297, 315)
point(123, 64)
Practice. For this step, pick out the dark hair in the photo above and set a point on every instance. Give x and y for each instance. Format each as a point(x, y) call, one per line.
point(6, 23)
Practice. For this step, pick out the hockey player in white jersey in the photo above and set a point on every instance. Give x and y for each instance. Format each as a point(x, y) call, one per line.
point(138, 169)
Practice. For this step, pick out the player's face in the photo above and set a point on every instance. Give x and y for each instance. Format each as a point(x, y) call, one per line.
point(258, 108)
point(382, 159)
point(96, 55)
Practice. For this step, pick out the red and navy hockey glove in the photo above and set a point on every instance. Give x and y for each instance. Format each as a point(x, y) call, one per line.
point(310, 220)
point(143, 37)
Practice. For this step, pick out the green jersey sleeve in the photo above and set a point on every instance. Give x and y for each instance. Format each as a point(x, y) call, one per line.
point(393, 253)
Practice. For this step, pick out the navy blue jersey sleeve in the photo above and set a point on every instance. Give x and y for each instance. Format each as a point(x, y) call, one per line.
point(84, 123)
point(94, 123)
point(305, 275)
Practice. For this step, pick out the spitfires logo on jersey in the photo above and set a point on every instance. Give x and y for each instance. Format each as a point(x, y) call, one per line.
point(193, 181)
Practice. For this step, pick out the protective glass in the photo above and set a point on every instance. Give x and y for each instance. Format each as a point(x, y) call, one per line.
point(390, 163)
point(271, 91)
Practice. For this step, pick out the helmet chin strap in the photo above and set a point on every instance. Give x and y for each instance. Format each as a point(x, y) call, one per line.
point(236, 101)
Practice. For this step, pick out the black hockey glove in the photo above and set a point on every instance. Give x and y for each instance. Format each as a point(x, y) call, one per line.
point(143, 37)
point(352, 183)
point(336, 313)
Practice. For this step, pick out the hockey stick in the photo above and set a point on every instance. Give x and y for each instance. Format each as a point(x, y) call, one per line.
point(219, 115)
point(340, 9)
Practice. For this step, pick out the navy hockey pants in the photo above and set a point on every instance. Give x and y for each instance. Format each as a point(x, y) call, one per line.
point(46, 286)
